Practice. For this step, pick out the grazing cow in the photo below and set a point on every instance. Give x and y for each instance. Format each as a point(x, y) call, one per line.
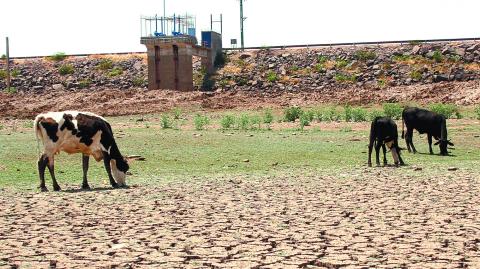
point(384, 132)
point(78, 132)
point(424, 121)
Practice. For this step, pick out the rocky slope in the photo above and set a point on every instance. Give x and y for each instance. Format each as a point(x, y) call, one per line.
point(309, 69)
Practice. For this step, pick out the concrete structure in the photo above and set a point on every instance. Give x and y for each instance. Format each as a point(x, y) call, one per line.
point(170, 60)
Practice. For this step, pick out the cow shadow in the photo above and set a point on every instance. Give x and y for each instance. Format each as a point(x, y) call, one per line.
point(99, 189)
point(435, 154)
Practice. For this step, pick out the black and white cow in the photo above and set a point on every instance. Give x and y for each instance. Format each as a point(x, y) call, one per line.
point(384, 132)
point(78, 132)
point(424, 121)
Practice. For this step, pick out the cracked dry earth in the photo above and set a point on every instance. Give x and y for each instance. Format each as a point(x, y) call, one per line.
point(375, 218)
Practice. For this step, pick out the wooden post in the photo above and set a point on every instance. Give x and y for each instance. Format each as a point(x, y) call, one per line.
point(8, 66)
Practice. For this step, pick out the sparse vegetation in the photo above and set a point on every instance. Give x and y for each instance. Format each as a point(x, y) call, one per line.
point(115, 72)
point(11, 90)
point(177, 113)
point(272, 76)
point(256, 122)
point(201, 121)
point(345, 77)
point(57, 57)
point(3, 57)
point(15, 73)
point(375, 113)
point(359, 114)
point(244, 122)
point(292, 113)
point(382, 83)
point(401, 57)
point(304, 120)
point(416, 75)
point(322, 59)
point(341, 63)
point(220, 59)
point(477, 112)
point(227, 122)
point(3, 74)
point(393, 110)
point(66, 69)
point(139, 81)
point(447, 110)
point(267, 116)
point(365, 55)
point(437, 56)
point(348, 113)
point(84, 83)
point(165, 122)
point(105, 64)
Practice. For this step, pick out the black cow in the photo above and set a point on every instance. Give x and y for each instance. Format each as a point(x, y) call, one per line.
point(424, 121)
point(384, 132)
point(78, 132)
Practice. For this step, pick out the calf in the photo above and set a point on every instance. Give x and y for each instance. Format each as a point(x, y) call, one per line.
point(78, 132)
point(424, 121)
point(384, 132)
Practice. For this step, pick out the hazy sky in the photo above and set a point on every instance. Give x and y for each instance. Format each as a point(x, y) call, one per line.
point(43, 27)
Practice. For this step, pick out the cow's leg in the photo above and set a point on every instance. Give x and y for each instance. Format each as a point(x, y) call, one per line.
point(51, 169)
point(370, 147)
point(85, 161)
point(106, 161)
point(430, 143)
point(409, 138)
point(42, 165)
point(384, 154)
point(377, 152)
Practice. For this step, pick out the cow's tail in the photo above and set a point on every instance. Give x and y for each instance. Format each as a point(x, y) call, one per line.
point(38, 132)
point(403, 127)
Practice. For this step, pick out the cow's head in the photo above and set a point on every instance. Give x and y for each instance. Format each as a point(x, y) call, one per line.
point(119, 169)
point(395, 149)
point(443, 144)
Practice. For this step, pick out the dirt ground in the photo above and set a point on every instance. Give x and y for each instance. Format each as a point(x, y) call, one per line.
point(372, 218)
point(136, 101)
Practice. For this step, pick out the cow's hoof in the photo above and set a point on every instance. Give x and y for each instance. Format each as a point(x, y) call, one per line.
point(115, 186)
point(85, 187)
point(369, 165)
point(57, 188)
point(43, 189)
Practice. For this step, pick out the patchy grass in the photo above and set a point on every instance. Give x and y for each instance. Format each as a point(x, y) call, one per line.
point(66, 69)
point(57, 57)
point(184, 154)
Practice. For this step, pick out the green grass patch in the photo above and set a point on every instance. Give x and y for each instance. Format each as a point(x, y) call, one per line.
point(365, 55)
point(66, 69)
point(57, 57)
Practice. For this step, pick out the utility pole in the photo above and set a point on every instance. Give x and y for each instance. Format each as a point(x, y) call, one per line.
point(242, 19)
point(8, 66)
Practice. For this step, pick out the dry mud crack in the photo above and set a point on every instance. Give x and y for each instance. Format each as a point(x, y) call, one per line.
point(376, 218)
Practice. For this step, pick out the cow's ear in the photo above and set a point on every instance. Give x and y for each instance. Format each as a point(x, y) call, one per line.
point(451, 144)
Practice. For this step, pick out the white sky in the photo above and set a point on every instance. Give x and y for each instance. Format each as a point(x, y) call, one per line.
point(43, 27)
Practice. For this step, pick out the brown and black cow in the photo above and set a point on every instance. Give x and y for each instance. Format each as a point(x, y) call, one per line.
point(78, 132)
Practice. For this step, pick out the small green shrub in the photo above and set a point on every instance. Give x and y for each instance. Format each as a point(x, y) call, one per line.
point(375, 113)
point(267, 116)
point(364, 55)
point(310, 114)
point(139, 81)
point(244, 122)
point(359, 114)
point(66, 69)
point(227, 122)
point(294, 68)
point(345, 78)
point(329, 114)
point(116, 71)
point(3, 74)
point(437, 56)
point(165, 122)
point(416, 75)
point(322, 59)
point(477, 112)
point(241, 81)
point(393, 110)
point(292, 113)
point(272, 76)
point(447, 110)
point(381, 83)
point(304, 120)
point(256, 122)
point(348, 113)
point(84, 83)
point(200, 122)
point(177, 113)
point(346, 129)
point(320, 67)
point(105, 64)
point(15, 73)
point(3, 57)
point(57, 57)
point(11, 90)
point(340, 63)
point(401, 57)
